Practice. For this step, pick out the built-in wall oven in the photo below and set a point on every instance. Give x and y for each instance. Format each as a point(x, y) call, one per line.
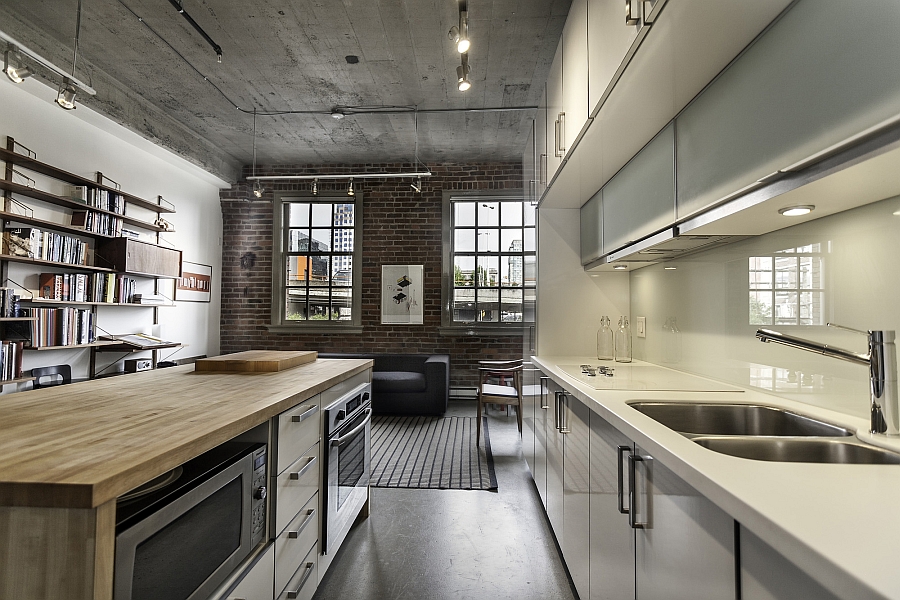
point(347, 432)
point(181, 535)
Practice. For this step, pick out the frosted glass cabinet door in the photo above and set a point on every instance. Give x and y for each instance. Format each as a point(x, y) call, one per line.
point(592, 229)
point(575, 71)
point(685, 548)
point(576, 494)
point(824, 72)
point(640, 199)
point(612, 538)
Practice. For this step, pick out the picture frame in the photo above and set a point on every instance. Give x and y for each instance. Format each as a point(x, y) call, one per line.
point(195, 283)
point(401, 294)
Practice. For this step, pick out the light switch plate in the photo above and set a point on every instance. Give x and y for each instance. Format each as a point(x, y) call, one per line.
point(641, 327)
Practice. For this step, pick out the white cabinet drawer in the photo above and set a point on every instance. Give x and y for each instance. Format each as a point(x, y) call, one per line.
point(257, 583)
point(298, 429)
point(303, 584)
point(295, 486)
point(295, 541)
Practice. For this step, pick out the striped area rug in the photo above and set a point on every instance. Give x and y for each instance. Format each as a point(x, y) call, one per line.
point(431, 453)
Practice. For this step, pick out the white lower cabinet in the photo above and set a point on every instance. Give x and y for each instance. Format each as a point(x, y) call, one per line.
point(303, 584)
point(294, 543)
point(576, 544)
point(257, 583)
point(554, 447)
point(767, 575)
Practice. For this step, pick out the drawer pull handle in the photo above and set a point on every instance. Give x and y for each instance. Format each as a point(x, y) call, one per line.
point(296, 593)
point(620, 451)
point(313, 409)
point(309, 518)
point(311, 460)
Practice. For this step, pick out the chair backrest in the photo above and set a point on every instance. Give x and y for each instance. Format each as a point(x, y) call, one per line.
point(62, 373)
point(506, 370)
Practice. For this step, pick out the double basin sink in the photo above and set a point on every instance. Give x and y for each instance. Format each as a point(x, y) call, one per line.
point(764, 433)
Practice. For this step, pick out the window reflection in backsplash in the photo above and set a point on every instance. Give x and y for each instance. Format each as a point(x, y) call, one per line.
point(839, 268)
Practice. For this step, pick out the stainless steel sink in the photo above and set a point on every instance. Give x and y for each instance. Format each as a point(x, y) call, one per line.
point(693, 419)
point(804, 450)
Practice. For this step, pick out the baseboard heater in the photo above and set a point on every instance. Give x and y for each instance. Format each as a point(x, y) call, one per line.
point(463, 393)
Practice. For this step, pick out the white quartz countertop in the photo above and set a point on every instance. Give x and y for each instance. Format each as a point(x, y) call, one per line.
point(838, 523)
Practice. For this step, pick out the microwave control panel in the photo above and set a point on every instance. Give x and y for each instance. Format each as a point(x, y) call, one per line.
point(258, 512)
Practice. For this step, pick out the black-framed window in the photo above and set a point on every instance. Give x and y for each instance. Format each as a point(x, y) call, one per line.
point(317, 260)
point(491, 260)
point(788, 287)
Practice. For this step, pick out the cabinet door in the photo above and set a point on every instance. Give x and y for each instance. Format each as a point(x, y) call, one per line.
point(542, 425)
point(555, 463)
point(612, 539)
point(540, 143)
point(575, 72)
point(821, 74)
point(257, 584)
point(530, 393)
point(576, 493)
point(609, 40)
point(640, 199)
point(684, 544)
point(767, 575)
point(555, 136)
point(592, 229)
point(529, 170)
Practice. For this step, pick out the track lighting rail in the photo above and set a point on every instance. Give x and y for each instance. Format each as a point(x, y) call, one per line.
point(344, 176)
point(179, 6)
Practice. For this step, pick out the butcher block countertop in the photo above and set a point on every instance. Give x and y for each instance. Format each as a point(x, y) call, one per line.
point(83, 444)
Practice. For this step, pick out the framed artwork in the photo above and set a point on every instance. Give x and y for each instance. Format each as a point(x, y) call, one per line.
point(195, 283)
point(401, 294)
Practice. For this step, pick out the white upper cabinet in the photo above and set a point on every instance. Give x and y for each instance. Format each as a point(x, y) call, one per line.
point(555, 137)
point(529, 167)
point(540, 144)
point(609, 39)
point(592, 229)
point(575, 72)
point(825, 72)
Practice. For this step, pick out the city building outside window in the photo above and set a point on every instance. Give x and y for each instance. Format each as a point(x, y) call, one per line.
point(489, 260)
point(316, 281)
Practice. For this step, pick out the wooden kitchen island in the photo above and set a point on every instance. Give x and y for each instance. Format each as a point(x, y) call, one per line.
point(67, 453)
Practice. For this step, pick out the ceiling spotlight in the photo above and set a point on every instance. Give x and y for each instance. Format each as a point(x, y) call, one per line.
point(315, 189)
point(66, 96)
point(258, 189)
point(460, 34)
point(350, 188)
point(417, 187)
point(796, 211)
point(337, 115)
point(15, 70)
point(620, 267)
point(462, 74)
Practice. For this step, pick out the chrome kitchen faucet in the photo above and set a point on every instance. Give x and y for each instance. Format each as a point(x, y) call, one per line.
point(882, 363)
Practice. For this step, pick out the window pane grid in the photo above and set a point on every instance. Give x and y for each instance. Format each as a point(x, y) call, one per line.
point(787, 288)
point(319, 244)
point(492, 262)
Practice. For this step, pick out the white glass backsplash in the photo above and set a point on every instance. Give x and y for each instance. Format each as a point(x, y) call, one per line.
point(703, 314)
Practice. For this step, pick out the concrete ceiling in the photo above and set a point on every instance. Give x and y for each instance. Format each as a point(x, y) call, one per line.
point(284, 55)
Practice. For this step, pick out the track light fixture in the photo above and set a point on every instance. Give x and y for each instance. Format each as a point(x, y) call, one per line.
point(350, 188)
point(257, 184)
point(417, 186)
point(462, 74)
point(460, 34)
point(14, 68)
point(66, 96)
point(315, 188)
point(258, 189)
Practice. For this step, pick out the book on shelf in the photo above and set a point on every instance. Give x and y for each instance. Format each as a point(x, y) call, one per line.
point(98, 198)
point(138, 340)
point(63, 326)
point(31, 242)
point(97, 222)
point(81, 287)
point(10, 360)
point(149, 299)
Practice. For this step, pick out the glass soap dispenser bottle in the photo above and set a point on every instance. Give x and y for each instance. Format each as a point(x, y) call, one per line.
point(623, 341)
point(605, 344)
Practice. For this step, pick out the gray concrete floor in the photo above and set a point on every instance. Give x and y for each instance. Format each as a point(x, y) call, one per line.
point(455, 544)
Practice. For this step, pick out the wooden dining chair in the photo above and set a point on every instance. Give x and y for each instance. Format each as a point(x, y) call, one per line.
point(499, 382)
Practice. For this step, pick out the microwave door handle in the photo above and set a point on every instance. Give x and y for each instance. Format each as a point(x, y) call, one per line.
point(338, 441)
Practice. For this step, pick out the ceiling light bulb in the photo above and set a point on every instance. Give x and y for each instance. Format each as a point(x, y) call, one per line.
point(337, 116)
point(462, 45)
point(258, 189)
point(670, 268)
point(796, 211)
point(66, 96)
point(462, 78)
point(620, 267)
point(350, 188)
point(16, 71)
point(315, 190)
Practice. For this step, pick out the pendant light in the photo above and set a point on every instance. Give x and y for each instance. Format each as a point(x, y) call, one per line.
point(315, 187)
point(66, 95)
point(350, 188)
point(257, 185)
point(14, 67)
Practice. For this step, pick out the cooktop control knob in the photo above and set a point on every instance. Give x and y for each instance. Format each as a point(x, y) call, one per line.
point(261, 493)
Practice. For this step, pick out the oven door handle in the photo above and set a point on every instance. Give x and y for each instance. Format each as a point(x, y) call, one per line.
point(338, 441)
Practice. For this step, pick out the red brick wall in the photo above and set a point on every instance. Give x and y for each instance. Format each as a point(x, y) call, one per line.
point(400, 226)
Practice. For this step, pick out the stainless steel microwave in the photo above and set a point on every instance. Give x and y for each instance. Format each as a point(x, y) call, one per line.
point(181, 535)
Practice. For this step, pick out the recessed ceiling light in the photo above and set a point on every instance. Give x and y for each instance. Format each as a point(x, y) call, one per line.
point(670, 268)
point(620, 267)
point(796, 211)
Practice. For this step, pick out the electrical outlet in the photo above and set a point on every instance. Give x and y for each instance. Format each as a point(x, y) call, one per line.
point(641, 327)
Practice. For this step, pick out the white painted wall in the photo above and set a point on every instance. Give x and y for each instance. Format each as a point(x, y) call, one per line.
point(570, 301)
point(83, 142)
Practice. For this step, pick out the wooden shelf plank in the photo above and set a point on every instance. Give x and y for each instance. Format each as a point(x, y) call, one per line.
point(11, 319)
point(49, 198)
point(119, 347)
point(42, 224)
point(31, 164)
point(39, 300)
point(50, 263)
point(74, 346)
